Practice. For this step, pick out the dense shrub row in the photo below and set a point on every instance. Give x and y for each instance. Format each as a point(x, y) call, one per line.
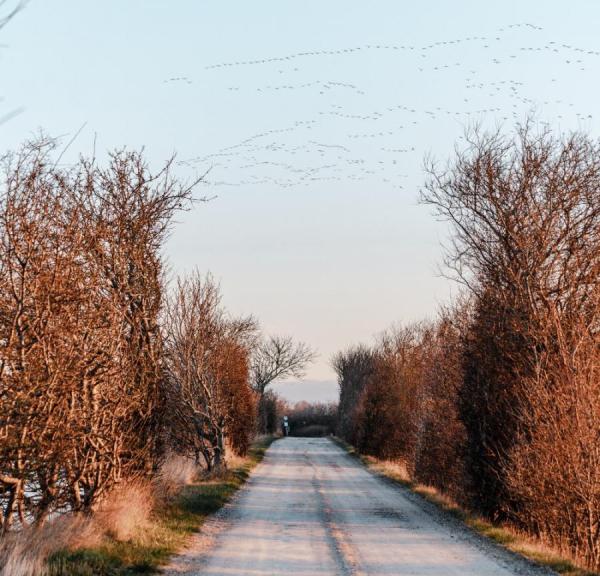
point(102, 374)
point(498, 401)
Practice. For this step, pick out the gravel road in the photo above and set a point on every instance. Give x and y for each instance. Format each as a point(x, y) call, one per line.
point(310, 509)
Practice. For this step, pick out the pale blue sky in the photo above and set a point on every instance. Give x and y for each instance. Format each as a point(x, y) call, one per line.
point(316, 228)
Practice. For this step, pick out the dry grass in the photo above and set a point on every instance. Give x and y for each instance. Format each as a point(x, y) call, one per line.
point(175, 472)
point(126, 512)
point(135, 530)
point(166, 528)
point(124, 515)
point(234, 461)
point(392, 469)
point(503, 534)
point(25, 553)
point(178, 470)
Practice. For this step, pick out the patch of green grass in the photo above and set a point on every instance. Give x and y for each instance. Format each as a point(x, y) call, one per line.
point(343, 444)
point(171, 526)
point(503, 535)
point(498, 534)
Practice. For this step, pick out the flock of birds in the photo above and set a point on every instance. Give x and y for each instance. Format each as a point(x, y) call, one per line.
point(425, 94)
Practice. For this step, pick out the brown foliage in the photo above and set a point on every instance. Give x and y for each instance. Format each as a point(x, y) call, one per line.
point(440, 454)
point(526, 220)
point(560, 435)
point(497, 403)
point(81, 289)
point(207, 386)
point(353, 368)
point(389, 409)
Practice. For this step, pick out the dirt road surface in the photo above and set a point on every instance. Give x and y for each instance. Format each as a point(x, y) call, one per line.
point(310, 509)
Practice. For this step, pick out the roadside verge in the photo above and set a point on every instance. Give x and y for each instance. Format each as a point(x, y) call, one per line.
point(504, 536)
point(172, 523)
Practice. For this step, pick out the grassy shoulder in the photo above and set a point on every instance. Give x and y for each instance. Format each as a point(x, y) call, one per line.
point(503, 535)
point(171, 525)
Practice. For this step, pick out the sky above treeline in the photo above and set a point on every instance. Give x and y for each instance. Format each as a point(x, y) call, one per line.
point(311, 121)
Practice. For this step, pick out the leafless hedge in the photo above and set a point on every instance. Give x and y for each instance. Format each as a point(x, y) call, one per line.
point(209, 398)
point(95, 371)
point(497, 402)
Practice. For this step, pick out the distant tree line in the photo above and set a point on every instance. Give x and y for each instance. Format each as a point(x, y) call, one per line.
point(312, 419)
point(497, 402)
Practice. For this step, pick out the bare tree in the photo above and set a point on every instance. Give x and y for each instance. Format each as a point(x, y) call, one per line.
point(277, 358)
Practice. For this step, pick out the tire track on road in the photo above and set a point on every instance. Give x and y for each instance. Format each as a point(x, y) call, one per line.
point(344, 553)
